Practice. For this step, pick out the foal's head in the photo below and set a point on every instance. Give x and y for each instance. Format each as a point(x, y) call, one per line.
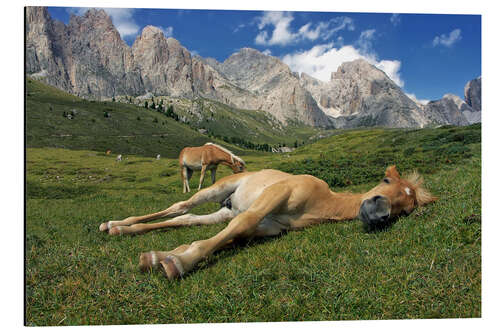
point(394, 196)
point(237, 166)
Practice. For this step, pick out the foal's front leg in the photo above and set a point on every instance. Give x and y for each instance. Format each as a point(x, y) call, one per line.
point(221, 215)
point(215, 193)
point(178, 208)
point(202, 176)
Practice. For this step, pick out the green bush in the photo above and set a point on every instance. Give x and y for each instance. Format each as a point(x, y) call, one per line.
point(347, 166)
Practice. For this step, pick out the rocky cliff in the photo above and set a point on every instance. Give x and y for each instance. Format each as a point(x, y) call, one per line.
point(359, 94)
point(87, 57)
point(448, 110)
point(472, 92)
point(451, 109)
point(273, 86)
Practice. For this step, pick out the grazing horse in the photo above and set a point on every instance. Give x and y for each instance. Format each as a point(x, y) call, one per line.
point(266, 203)
point(208, 156)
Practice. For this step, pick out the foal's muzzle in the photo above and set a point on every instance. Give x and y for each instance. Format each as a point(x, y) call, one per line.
point(375, 212)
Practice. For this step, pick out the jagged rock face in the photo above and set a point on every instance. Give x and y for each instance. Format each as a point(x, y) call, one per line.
point(253, 70)
point(87, 58)
point(273, 87)
point(450, 110)
point(472, 94)
point(321, 92)
point(98, 61)
point(43, 54)
point(353, 82)
point(165, 65)
point(359, 94)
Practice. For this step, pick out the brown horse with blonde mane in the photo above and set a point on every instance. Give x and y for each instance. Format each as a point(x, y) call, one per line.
point(266, 203)
point(208, 156)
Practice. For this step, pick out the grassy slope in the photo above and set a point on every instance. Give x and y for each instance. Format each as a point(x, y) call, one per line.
point(427, 265)
point(122, 132)
point(223, 120)
point(132, 129)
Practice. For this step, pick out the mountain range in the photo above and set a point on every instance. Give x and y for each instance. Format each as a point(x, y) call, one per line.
point(88, 58)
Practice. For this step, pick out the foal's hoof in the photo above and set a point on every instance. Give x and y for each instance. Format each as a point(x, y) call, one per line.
point(172, 267)
point(104, 226)
point(115, 231)
point(147, 261)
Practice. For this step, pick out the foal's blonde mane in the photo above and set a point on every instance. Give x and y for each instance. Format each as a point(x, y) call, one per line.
point(423, 196)
point(233, 156)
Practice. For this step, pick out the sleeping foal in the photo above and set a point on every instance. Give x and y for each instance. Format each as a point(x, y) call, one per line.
point(266, 203)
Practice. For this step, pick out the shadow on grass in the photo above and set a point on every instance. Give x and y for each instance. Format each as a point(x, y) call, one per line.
point(372, 228)
point(238, 244)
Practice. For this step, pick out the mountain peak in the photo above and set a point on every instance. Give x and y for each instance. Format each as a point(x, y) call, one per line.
point(37, 14)
point(249, 50)
point(359, 68)
point(96, 19)
point(97, 14)
point(150, 31)
point(472, 94)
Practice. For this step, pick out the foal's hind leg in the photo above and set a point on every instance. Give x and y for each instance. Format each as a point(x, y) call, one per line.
point(152, 259)
point(215, 193)
point(221, 215)
point(243, 225)
point(186, 174)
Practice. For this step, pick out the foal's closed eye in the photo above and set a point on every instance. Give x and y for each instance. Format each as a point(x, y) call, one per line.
point(386, 180)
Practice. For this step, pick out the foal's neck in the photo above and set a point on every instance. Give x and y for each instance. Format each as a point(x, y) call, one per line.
point(227, 158)
point(344, 206)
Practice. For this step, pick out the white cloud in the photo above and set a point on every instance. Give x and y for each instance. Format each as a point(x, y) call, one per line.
point(261, 38)
point(267, 52)
point(448, 40)
point(122, 19)
point(321, 60)
point(239, 27)
point(416, 100)
point(168, 31)
point(282, 33)
point(395, 19)
point(365, 40)
point(391, 68)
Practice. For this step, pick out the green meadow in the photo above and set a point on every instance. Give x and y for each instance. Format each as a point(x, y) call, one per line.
point(426, 265)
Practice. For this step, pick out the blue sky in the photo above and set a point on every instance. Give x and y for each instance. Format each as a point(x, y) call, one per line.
point(426, 55)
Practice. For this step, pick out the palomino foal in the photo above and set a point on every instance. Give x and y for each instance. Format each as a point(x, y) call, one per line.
point(266, 203)
point(208, 156)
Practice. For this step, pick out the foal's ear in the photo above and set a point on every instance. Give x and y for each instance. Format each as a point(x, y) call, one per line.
point(392, 172)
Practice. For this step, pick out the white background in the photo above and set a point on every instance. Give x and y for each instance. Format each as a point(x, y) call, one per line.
point(12, 161)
